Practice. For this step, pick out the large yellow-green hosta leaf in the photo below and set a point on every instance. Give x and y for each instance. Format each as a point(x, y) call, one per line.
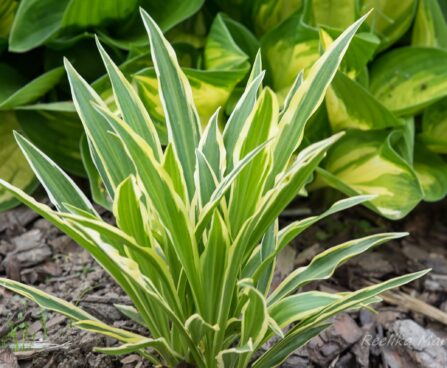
point(366, 163)
point(434, 127)
point(430, 26)
point(410, 78)
point(390, 18)
point(289, 48)
point(431, 170)
point(350, 106)
point(13, 165)
point(333, 13)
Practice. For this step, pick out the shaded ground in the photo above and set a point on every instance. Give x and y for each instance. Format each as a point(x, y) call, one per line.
point(409, 329)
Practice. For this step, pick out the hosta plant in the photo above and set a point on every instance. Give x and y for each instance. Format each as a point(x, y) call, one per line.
point(196, 233)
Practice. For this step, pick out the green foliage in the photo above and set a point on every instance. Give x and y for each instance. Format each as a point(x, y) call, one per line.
point(392, 78)
point(197, 220)
point(389, 94)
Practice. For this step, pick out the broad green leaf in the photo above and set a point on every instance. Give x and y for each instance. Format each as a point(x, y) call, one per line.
point(431, 170)
point(350, 106)
point(434, 127)
point(13, 165)
point(366, 163)
point(324, 264)
point(430, 26)
point(62, 133)
point(243, 37)
point(390, 18)
point(408, 79)
point(181, 115)
point(14, 93)
point(33, 26)
point(59, 186)
point(337, 14)
point(267, 14)
point(170, 12)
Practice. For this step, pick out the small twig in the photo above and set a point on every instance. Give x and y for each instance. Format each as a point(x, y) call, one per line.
point(415, 305)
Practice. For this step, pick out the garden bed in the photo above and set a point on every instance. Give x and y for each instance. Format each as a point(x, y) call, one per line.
point(408, 330)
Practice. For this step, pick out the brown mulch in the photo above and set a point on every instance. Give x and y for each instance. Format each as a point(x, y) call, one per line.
point(407, 330)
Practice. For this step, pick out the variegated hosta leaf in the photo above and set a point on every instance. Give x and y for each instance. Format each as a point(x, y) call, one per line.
point(13, 166)
point(289, 48)
point(430, 26)
point(333, 13)
point(350, 106)
point(366, 163)
point(360, 53)
point(408, 79)
point(390, 18)
point(434, 127)
point(431, 170)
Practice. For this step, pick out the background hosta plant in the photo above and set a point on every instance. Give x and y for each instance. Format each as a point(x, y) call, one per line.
point(398, 109)
point(34, 37)
point(196, 233)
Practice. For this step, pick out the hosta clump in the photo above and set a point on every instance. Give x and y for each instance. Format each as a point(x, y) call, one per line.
point(197, 221)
